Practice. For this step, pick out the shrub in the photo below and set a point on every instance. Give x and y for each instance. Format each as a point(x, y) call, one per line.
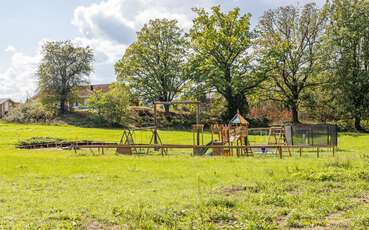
point(31, 112)
point(111, 107)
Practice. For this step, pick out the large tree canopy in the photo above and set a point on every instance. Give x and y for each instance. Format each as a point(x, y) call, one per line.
point(221, 56)
point(348, 56)
point(63, 68)
point(154, 64)
point(289, 44)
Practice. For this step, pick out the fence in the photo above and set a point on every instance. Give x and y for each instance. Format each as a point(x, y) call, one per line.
point(311, 135)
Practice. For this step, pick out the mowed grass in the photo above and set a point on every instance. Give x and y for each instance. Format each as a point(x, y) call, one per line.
point(61, 189)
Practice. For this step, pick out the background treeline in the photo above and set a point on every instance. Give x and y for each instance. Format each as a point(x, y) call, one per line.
point(297, 64)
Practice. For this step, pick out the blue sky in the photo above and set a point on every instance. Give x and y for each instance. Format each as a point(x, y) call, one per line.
point(107, 26)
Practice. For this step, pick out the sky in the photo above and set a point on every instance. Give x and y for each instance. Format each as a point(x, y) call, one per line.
point(107, 26)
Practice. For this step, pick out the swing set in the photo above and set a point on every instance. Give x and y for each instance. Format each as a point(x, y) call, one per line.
point(129, 136)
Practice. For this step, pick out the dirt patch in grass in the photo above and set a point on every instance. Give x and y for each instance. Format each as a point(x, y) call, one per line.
point(94, 225)
point(338, 221)
point(365, 199)
point(362, 200)
point(254, 188)
point(234, 189)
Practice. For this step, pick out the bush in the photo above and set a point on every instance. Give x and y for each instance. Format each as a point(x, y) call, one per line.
point(30, 112)
point(111, 107)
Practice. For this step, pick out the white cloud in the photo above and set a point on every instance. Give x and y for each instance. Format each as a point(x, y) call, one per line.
point(10, 49)
point(118, 20)
point(19, 81)
point(105, 51)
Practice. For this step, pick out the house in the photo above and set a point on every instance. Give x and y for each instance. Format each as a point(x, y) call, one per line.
point(6, 104)
point(85, 92)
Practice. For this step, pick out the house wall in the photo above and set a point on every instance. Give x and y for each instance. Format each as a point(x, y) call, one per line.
point(5, 108)
point(81, 102)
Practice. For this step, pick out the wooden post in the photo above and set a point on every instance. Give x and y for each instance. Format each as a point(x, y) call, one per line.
point(197, 136)
point(212, 134)
point(280, 152)
point(202, 135)
point(317, 151)
point(197, 114)
point(333, 150)
point(155, 125)
point(193, 141)
point(300, 151)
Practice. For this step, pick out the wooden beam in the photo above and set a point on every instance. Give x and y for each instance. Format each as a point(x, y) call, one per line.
point(189, 146)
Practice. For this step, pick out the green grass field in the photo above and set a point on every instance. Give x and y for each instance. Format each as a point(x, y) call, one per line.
point(63, 190)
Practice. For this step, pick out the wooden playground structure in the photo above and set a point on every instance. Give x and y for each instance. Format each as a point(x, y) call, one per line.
point(226, 139)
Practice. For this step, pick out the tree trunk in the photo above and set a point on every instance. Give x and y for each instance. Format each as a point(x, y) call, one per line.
point(236, 103)
point(167, 108)
point(63, 97)
point(358, 126)
point(62, 106)
point(295, 113)
point(167, 112)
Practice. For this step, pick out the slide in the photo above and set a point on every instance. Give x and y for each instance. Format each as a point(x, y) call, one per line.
point(202, 151)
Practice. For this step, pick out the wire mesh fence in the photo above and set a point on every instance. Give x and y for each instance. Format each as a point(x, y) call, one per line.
point(312, 135)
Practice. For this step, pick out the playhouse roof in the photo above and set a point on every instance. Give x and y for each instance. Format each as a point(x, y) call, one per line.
point(239, 120)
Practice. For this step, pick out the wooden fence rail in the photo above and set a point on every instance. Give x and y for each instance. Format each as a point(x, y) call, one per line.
point(279, 148)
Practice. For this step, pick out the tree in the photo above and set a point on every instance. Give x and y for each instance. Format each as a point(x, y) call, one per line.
point(221, 56)
point(112, 106)
point(63, 68)
point(348, 56)
point(289, 45)
point(154, 64)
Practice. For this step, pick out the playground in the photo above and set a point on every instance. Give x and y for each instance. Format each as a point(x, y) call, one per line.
point(227, 139)
point(64, 189)
point(233, 138)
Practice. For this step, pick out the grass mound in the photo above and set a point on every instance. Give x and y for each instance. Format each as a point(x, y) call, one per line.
point(51, 142)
